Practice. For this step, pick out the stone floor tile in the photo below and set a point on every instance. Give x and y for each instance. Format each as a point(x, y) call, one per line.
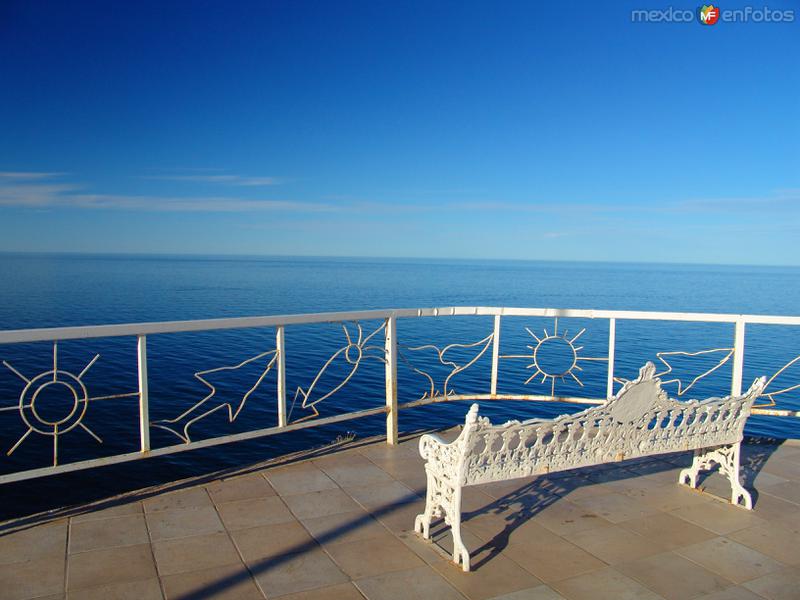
point(32, 578)
point(344, 527)
point(245, 487)
point(425, 549)
point(496, 576)
point(781, 585)
point(674, 577)
point(320, 504)
point(615, 544)
point(488, 526)
point(48, 540)
point(540, 592)
point(373, 556)
point(271, 540)
point(771, 508)
point(789, 490)
point(732, 560)
point(379, 495)
point(778, 539)
point(144, 589)
point(672, 496)
point(401, 517)
point(355, 474)
point(110, 565)
point(194, 553)
point(108, 533)
point(422, 582)
point(719, 517)
point(552, 559)
point(193, 497)
point(567, 517)
point(732, 593)
point(785, 467)
point(343, 591)
point(668, 531)
point(232, 582)
point(290, 573)
point(616, 507)
point(243, 514)
point(442, 537)
point(113, 509)
point(604, 583)
point(183, 522)
point(299, 479)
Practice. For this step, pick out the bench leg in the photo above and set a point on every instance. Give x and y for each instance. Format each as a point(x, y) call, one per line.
point(728, 459)
point(442, 499)
point(422, 523)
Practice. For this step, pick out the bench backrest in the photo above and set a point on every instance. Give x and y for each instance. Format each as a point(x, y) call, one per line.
point(641, 420)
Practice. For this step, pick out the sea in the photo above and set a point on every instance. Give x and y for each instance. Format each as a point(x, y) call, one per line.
point(192, 373)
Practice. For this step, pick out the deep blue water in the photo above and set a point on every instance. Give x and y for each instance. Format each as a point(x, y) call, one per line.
point(48, 290)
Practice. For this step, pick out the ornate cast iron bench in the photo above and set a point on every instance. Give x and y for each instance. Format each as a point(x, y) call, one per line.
point(639, 421)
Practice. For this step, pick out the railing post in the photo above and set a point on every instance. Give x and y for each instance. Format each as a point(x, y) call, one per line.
point(391, 381)
point(280, 345)
point(738, 358)
point(495, 353)
point(144, 398)
point(612, 342)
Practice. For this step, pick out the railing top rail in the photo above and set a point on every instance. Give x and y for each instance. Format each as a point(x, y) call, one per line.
point(135, 329)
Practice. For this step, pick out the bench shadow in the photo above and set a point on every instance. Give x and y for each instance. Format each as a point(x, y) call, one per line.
point(531, 498)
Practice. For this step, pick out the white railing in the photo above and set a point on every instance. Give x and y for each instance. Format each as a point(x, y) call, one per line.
point(352, 352)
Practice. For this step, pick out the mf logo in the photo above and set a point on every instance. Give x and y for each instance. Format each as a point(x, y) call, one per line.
point(709, 14)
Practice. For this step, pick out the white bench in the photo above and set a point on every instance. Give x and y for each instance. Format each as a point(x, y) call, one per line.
point(639, 421)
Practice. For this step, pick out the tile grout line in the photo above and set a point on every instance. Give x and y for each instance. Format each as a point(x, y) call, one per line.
point(161, 587)
point(253, 578)
point(66, 556)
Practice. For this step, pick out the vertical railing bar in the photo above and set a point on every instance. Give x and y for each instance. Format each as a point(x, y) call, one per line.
point(738, 358)
point(495, 353)
point(612, 343)
point(391, 380)
point(144, 397)
point(280, 345)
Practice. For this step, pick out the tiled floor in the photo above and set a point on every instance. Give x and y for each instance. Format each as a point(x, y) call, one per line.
point(339, 526)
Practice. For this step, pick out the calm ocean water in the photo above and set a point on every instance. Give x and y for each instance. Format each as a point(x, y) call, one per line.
point(49, 290)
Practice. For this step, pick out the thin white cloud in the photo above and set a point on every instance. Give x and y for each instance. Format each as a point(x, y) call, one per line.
point(31, 190)
point(220, 179)
point(27, 175)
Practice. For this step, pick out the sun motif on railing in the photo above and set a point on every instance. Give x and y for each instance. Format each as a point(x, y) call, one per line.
point(555, 356)
point(71, 394)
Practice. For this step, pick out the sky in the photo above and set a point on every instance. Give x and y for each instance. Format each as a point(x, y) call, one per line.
point(530, 130)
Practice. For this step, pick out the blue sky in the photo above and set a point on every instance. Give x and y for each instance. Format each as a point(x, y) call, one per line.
point(494, 130)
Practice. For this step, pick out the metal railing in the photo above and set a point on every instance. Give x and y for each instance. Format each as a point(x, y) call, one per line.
point(352, 353)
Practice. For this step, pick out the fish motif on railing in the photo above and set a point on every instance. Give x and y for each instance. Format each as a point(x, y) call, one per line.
point(481, 346)
point(779, 391)
point(205, 407)
point(350, 356)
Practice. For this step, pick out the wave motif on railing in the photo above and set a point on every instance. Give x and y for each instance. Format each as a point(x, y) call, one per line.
point(201, 410)
point(553, 372)
point(481, 347)
point(353, 353)
point(76, 403)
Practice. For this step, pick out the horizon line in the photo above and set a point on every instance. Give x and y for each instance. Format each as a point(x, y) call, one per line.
point(123, 254)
